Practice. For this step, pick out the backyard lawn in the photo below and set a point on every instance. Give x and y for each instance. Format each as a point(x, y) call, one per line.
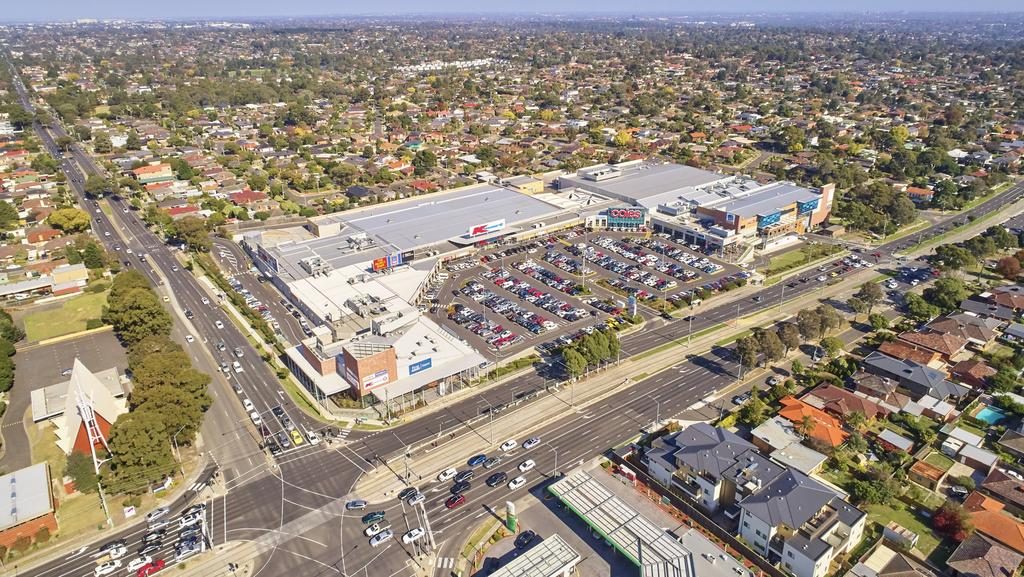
point(70, 317)
point(899, 511)
point(939, 461)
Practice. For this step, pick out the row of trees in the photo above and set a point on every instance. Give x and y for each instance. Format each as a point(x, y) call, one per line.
point(168, 398)
point(771, 345)
point(593, 349)
point(9, 334)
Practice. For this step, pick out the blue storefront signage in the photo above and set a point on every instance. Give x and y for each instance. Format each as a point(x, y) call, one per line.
point(420, 366)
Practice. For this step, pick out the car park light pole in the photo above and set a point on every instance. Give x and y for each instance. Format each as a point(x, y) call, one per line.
point(657, 414)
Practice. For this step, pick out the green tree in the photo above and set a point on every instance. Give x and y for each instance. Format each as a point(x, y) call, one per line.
point(133, 142)
point(93, 256)
point(136, 314)
point(6, 373)
point(69, 220)
point(96, 185)
point(748, 350)
point(182, 411)
point(8, 330)
point(855, 420)
point(8, 215)
point(920, 309)
point(423, 162)
point(80, 468)
point(622, 138)
point(806, 426)
point(574, 362)
point(169, 369)
point(832, 346)
point(946, 294)
point(192, 231)
point(140, 448)
point(859, 307)
point(870, 294)
point(829, 318)
point(789, 335)
point(101, 143)
point(878, 321)
point(952, 257)
point(753, 412)
point(1001, 237)
point(770, 345)
point(808, 322)
point(151, 345)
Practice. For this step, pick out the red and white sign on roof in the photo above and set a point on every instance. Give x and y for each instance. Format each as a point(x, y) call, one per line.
point(488, 228)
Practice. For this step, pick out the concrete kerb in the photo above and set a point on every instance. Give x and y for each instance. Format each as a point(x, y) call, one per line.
point(609, 382)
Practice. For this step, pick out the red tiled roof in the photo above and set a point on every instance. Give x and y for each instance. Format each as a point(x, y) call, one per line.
point(826, 427)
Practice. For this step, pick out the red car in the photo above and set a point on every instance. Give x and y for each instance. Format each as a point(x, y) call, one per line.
point(151, 568)
point(454, 501)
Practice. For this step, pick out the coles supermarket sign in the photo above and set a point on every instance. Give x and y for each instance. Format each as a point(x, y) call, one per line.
point(626, 216)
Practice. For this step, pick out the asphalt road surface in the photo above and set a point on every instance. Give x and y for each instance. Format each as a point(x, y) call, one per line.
point(262, 501)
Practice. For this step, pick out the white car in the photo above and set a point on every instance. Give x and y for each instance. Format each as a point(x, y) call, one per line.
point(256, 420)
point(138, 563)
point(516, 483)
point(412, 536)
point(508, 445)
point(375, 529)
point(526, 465)
point(447, 475)
point(107, 568)
point(157, 513)
point(381, 538)
point(249, 406)
point(218, 324)
point(822, 278)
point(190, 339)
point(314, 439)
point(206, 301)
point(531, 443)
point(416, 499)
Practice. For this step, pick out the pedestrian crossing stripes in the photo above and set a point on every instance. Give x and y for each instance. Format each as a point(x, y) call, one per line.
point(445, 562)
point(342, 434)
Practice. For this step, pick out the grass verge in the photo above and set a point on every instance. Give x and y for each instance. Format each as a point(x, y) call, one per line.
point(72, 316)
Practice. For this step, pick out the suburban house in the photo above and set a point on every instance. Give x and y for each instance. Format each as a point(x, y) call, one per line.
point(800, 522)
point(153, 173)
point(1011, 297)
point(825, 428)
point(989, 518)
point(946, 345)
point(979, 332)
point(979, 556)
point(972, 372)
point(1007, 489)
point(839, 402)
point(783, 513)
point(907, 352)
point(916, 379)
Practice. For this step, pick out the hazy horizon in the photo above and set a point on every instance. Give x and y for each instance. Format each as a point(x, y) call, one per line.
point(58, 10)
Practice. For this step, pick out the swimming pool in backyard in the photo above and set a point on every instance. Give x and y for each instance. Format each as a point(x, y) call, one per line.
point(990, 415)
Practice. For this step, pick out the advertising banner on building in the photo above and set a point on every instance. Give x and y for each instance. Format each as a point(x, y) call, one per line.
point(486, 228)
point(386, 262)
point(629, 217)
point(420, 366)
point(376, 379)
point(380, 264)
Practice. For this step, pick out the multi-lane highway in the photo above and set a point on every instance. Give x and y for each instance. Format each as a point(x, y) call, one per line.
point(264, 500)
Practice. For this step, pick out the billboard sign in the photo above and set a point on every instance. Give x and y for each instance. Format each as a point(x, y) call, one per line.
point(380, 264)
point(626, 217)
point(420, 366)
point(386, 262)
point(376, 379)
point(486, 228)
point(351, 376)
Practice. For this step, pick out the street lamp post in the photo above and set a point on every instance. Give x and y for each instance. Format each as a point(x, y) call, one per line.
point(177, 454)
point(554, 470)
point(490, 419)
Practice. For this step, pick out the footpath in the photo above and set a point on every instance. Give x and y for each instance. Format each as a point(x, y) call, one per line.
point(485, 433)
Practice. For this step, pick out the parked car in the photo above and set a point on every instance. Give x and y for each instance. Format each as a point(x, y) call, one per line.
point(355, 505)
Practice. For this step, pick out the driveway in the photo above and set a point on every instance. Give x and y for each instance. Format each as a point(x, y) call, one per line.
point(39, 367)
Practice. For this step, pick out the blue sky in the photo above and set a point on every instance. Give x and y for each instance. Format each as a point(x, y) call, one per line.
point(136, 9)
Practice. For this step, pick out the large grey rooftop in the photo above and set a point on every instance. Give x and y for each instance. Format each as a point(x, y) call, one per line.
point(432, 219)
point(545, 559)
point(640, 182)
point(768, 200)
point(791, 500)
point(26, 495)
